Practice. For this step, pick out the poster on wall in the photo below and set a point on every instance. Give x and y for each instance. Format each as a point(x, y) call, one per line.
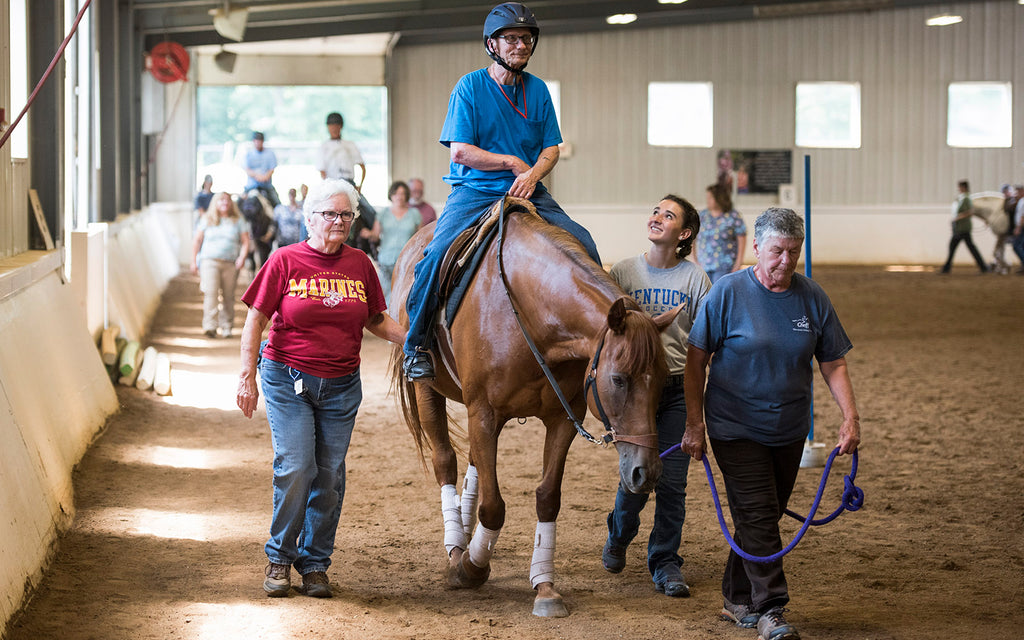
point(755, 171)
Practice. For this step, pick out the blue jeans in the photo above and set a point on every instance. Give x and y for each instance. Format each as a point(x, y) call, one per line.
point(310, 433)
point(669, 494)
point(461, 210)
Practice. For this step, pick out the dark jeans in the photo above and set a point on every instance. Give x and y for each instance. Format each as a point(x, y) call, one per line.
point(758, 481)
point(1018, 247)
point(669, 494)
point(954, 242)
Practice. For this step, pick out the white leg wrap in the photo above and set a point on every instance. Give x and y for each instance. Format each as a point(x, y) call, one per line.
point(542, 567)
point(469, 495)
point(454, 536)
point(482, 545)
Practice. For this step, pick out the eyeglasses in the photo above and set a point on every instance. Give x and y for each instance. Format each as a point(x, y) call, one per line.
point(513, 40)
point(331, 216)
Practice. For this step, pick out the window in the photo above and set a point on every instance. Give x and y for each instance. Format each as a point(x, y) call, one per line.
point(555, 89)
point(828, 115)
point(19, 79)
point(979, 115)
point(680, 114)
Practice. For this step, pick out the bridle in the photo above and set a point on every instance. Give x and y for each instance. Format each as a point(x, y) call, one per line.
point(649, 440)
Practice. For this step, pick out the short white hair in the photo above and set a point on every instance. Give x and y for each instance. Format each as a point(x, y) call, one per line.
point(324, 191)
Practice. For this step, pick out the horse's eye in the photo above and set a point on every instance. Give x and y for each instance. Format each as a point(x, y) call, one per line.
point(619, 380)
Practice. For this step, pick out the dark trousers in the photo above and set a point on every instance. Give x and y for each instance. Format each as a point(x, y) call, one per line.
point(758, 481)
point(954, 242)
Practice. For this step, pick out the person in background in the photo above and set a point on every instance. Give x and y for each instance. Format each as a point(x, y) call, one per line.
point(289, 220)
point(1018, 227)
point(759, 329)
point(219, 250)
point(660, 280)
point(318, 296)
point(503, 137)
point(202, 199)
point(427, 213)
point(259, 165)
point(963, 209)
point(723, 235)
point(393, 228)
point(338, 159)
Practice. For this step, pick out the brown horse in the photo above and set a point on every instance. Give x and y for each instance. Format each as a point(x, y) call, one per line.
point(572, 310)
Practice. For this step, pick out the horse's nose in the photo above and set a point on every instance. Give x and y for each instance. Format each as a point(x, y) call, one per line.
point(644, 479)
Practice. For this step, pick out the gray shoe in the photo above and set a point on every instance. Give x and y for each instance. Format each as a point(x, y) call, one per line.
point(613, 558)
point(316, 585)
point(740, 614)
point(278, 581)
point(773, 626)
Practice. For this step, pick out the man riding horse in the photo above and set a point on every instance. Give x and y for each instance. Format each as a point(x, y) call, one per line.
point(503, 136)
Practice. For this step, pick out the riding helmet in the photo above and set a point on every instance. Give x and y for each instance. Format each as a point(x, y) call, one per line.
point(506, 16)
point(335, 118)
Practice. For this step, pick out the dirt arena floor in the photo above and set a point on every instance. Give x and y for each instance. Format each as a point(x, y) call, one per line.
point(173, 503)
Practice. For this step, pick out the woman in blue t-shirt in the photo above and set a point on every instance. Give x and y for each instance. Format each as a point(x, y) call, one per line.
point(763, 325)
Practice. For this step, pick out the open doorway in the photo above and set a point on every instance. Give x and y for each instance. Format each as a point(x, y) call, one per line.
point(292, 119)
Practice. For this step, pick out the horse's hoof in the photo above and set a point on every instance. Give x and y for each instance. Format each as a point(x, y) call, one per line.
point(549, 608)
point(460, 577)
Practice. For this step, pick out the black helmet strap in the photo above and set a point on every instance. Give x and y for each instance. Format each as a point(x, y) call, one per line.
point(494, 56)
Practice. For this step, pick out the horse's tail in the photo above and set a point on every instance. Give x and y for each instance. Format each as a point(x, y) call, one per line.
point(406, 393)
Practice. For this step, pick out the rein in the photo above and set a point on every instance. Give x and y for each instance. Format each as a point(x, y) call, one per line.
point(852, 500)
point(591, 382)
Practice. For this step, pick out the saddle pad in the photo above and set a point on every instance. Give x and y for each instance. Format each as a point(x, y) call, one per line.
point(463, 259)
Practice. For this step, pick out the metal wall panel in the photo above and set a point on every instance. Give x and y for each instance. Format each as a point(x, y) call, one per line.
point(903, 68)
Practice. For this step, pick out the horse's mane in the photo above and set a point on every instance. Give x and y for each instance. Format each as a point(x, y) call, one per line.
point(645, 348)
point(645, 351)
point(567, 244)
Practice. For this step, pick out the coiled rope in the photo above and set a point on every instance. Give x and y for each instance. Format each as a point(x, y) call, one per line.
point(852, 500)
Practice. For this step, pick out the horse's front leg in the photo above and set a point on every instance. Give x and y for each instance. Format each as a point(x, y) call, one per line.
point(548, 602)
point(472, 568)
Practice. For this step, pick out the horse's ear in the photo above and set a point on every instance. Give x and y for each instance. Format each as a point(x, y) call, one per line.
point(617, 316)
point(664, 320)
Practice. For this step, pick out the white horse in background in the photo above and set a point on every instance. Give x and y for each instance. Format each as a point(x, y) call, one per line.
point(988, 205)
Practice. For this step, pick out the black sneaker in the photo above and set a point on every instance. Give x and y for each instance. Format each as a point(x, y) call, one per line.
point(613, 558)
point(316, 585)
point(773, 626)
point(278, 580)
point(673, 585)
point(418, 366)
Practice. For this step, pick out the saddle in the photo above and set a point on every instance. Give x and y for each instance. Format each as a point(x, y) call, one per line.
point(462, 260)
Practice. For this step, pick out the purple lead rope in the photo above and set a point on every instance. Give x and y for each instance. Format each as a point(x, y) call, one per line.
point(852, 500)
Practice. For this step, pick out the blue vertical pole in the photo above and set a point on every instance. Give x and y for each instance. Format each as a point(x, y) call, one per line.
point(807, 255)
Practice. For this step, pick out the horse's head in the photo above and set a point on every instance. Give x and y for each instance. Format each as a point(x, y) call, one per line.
point(624, 385)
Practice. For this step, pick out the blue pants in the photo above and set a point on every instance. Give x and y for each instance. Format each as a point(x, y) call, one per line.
point(716, 274)
point(670, 493)
point(310, 433)
point(461, 210)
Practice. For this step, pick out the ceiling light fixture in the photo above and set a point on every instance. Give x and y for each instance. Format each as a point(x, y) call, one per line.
point(943, 20)
point(230, 23)
point(671, 1)
point(621, 18)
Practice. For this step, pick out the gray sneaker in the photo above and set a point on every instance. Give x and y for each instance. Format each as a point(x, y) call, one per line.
point(316, 585)
point(773, 626)
point(741, 614)
point(278, 581)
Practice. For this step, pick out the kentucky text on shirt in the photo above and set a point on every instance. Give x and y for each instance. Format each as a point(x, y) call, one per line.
point(667, 297)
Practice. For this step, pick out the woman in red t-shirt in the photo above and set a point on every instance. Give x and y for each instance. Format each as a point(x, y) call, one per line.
point(318, 296)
